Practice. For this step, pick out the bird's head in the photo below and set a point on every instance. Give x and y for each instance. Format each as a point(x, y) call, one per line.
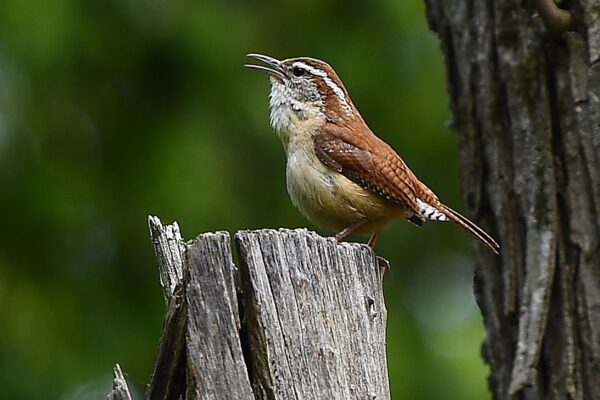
point(304, 88)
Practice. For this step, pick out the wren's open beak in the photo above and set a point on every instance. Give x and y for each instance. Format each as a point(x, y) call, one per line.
point(274, 67)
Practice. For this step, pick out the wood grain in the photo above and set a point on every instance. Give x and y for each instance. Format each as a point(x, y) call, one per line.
point(168, 378)
point(316, 316)
point(119, 391)
point(303, 318)
point(216, 368)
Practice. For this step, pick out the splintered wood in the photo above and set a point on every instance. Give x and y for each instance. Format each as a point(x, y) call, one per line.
point(299, 317)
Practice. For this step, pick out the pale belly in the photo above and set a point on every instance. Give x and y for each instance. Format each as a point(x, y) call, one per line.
point(329, 199)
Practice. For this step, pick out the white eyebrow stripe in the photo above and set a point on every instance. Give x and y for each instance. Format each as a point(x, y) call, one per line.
point(332, 85)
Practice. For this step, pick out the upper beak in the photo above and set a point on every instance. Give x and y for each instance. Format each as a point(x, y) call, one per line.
point(274, 69)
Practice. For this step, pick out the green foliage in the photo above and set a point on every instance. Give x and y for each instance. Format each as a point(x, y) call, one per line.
point(113, 110)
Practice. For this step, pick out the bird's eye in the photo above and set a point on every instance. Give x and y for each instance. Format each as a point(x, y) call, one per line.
point(297, 71)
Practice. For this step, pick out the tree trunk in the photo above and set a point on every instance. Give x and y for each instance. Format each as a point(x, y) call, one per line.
point(526, 103)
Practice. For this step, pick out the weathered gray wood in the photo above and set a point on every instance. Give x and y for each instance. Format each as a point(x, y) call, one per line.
point(215, 367)
point(119, 391)
point(168, 379)
point(170, 249)
point(527, 105)
point(304, 320)
point(316, 316)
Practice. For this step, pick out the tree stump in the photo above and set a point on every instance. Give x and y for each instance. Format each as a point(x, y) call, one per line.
point(298, 316)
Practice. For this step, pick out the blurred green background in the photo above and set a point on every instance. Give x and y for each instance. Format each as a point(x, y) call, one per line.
point(113, 110)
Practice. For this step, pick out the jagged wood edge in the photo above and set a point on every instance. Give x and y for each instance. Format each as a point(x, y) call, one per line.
point(168, 378)
point(119, 391)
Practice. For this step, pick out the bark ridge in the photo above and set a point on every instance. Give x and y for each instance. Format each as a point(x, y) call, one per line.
point(526, 104)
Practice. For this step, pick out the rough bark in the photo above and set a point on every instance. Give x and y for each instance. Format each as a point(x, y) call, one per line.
point(526, 104)
point(303, 317)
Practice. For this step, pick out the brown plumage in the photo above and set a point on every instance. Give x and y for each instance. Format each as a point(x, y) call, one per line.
point(371, 163)
point(339, 173)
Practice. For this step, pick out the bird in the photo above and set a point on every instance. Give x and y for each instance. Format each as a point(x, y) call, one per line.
point(339, 174)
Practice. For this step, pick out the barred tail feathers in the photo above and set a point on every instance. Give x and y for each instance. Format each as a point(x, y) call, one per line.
point(430, 212)
point(441, 212)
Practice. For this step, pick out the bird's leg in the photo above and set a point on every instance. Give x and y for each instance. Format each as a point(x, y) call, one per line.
point(373, 239)
point(349, 229)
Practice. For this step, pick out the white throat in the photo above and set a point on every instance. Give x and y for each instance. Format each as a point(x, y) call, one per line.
point(290, 117)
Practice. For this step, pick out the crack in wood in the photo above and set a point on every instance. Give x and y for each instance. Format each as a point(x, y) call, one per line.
point(303, 317)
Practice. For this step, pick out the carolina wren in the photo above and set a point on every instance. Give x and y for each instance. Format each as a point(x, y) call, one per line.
point(339, 174)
